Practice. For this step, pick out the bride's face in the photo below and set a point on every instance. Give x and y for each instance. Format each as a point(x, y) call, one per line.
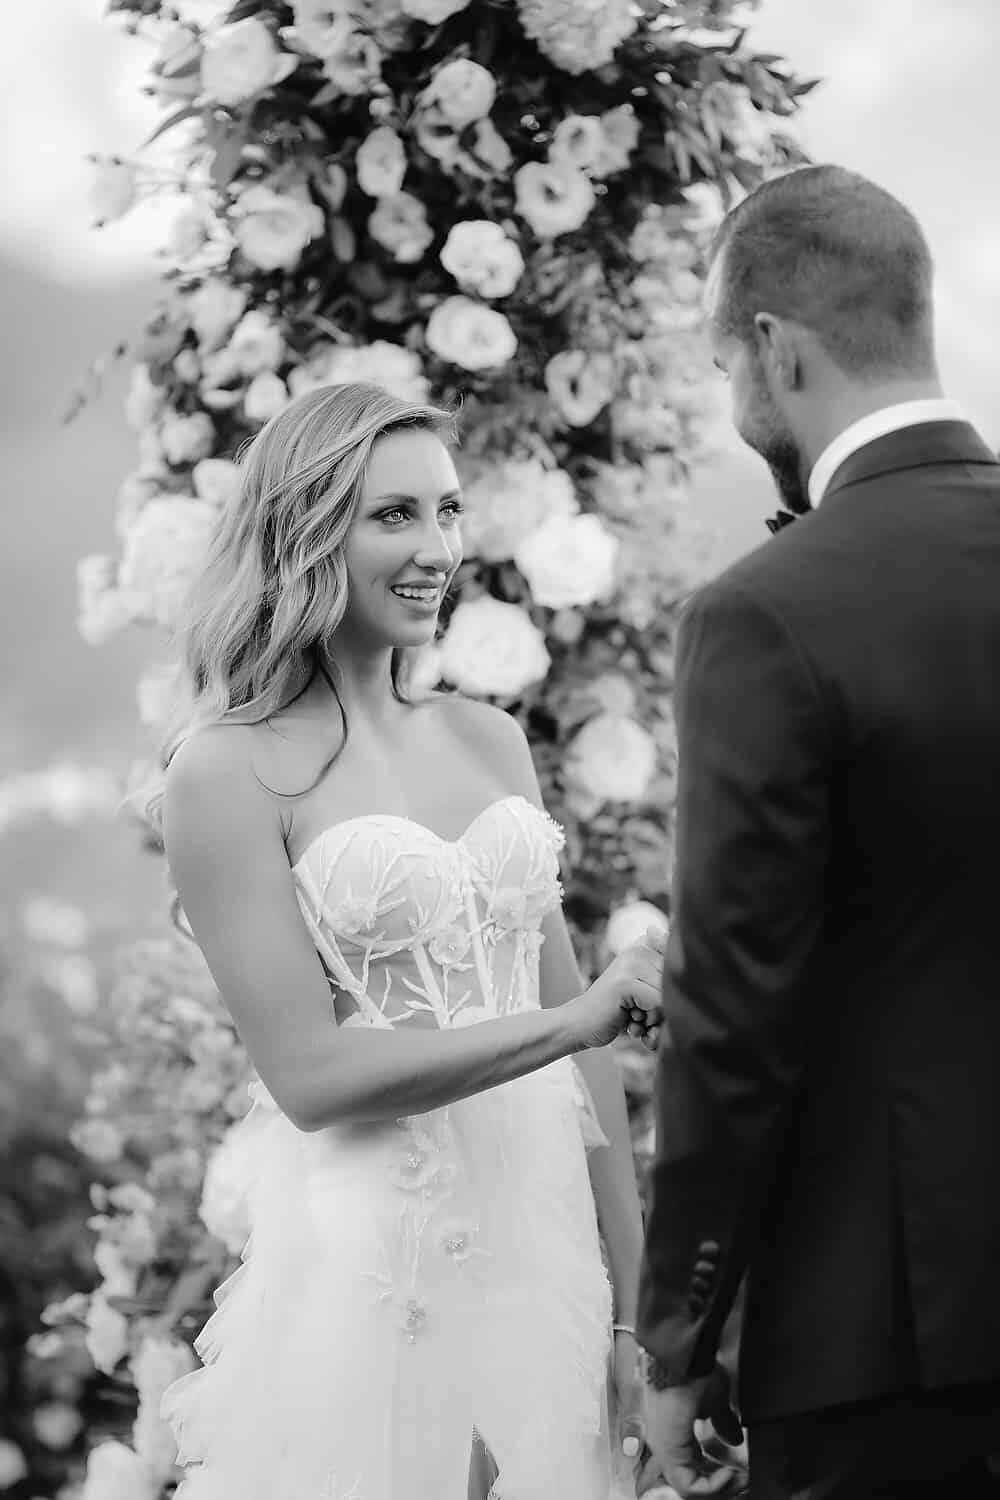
point(405, 544)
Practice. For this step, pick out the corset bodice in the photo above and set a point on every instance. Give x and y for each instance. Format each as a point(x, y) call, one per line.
point(414, 927)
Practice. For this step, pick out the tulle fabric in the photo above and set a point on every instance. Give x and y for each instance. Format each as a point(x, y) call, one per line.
point(326, 1377)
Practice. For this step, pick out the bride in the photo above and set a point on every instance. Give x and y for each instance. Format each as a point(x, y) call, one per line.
point(423, 1272)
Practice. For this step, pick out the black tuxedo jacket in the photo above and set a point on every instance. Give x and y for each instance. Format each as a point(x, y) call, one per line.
point(828, 1091)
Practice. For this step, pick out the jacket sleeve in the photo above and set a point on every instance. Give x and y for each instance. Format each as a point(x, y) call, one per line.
point(755, 760)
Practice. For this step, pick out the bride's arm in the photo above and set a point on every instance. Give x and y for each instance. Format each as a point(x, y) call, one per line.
point(226, 851)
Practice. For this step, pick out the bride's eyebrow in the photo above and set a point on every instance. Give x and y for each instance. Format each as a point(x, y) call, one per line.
point(413, 499)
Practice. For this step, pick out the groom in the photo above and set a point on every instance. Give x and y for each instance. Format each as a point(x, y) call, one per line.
point(829, 1101)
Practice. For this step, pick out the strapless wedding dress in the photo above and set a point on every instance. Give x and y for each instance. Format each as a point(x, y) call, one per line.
point(409, 1283)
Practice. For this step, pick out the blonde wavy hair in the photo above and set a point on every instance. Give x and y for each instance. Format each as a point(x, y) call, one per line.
point(274, 585)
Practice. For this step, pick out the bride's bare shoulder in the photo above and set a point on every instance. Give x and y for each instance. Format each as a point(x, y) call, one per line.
point(490, 732)
point(214, 780)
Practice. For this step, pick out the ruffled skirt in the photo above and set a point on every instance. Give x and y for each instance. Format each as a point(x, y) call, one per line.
point(404, 1286)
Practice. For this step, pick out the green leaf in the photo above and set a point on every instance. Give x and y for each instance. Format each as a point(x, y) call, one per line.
point(184, 113)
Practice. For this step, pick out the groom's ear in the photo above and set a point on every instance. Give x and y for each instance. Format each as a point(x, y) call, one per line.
point(777, 350)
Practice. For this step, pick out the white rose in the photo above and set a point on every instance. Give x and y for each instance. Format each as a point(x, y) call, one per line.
point(213, 309)
point(257, 343)
point(569, 561)
point(242, 60)
point(492, 649)
point(99, 1139)
point(355, 64)
point(488, 154)
point(381, 163)
point(217, 480)
point(107, 1334)
point(627, 924)
point(399, 224)
point(320, 27)
point(378, 363)
point(186, 439)
point(156, 1365)
point(580, 384)
point(620, 136)
point(433, 12)
point(506, 504)
point(164, 551)
point(554, 199)
point(612, 759)
point(113, 191)
point(482, 258)
point(462, 90)
point(114, 1472)
point(578, 35)
point(266, 395)
point(144, 400)
point(56, 1424)
point(118, 1276)
point(577, 142)
point(466, 333)
point(13, 1464)
point(102, 611)
point(273, 229)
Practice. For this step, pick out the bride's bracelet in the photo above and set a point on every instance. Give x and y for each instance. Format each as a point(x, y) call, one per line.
point(623, 1328)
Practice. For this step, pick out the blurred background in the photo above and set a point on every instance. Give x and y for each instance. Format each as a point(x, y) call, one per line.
point(908, 97)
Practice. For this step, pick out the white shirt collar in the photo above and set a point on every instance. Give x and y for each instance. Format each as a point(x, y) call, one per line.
point(877, 424)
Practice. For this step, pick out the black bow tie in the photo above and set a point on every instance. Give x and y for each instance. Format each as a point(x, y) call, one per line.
point(783, 518)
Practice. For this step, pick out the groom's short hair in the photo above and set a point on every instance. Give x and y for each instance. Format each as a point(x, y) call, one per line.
point(825, 247)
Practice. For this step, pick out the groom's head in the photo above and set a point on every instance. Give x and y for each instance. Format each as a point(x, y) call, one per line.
point(819, 299)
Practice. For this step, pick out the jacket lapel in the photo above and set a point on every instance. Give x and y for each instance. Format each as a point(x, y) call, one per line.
point(913, 448)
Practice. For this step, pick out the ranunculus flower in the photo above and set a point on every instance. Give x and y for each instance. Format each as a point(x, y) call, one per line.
point(433, 12)
point(492, 649)
point(186, 439)
point(482, 258)
point(163, 552)
point(578, 35)
point(381, 163)
point(627, 924)
point(114, 1472)
point(462, 90)
point(399, 224)
point(265, 396)
point(113, 190)
point(552, 197)
point(272, 229)
point(507, 503)
point(577, 142)
point(257, 343)
point(468, 334)
point(581, 384)
point(107, 1334)
point(612, 759)
point(569, 561)
point(217, 480)
point(242, 60)
point(213, 309)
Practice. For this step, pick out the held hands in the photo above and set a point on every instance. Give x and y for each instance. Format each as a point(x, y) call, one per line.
point(626, 997)
point(696, 1439)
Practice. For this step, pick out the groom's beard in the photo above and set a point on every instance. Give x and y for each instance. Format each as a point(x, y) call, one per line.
point(783, 458)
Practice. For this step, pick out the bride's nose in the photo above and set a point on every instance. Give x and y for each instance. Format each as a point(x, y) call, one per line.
point(433, 548)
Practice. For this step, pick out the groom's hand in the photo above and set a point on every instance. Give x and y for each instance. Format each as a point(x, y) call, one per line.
point(691, 1468)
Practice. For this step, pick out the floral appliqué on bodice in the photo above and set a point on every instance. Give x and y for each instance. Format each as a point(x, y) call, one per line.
point(417, 930)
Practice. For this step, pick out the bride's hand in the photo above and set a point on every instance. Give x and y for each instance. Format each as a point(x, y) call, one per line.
point(625, 998)
point(630, 1394)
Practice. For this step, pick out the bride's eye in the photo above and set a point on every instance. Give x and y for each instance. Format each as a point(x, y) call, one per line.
point(456, 508)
